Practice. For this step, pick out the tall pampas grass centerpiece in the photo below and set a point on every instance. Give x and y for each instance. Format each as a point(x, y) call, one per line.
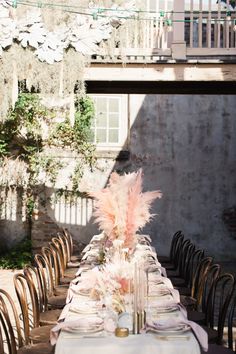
point(122, 209)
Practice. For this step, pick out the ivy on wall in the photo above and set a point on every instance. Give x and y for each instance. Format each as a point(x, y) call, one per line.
point(21, 139)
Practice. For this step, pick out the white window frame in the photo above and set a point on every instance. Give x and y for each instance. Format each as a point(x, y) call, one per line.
point(123, 123)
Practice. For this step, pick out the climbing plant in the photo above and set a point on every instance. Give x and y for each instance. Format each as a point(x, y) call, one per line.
point(77, 137)
point(22, 139)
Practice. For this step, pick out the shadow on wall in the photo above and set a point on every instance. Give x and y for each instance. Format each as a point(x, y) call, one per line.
point(186, 146)
point(14, 225)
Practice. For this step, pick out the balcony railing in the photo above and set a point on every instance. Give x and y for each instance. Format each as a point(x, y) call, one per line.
point(193, 28)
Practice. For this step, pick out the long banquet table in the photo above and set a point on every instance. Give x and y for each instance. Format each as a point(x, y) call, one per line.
point(72, 342)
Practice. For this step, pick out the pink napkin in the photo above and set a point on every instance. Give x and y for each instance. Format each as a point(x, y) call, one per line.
point(169, 304)
point(163, 272)
point(77, 290)
point(158, 279)
point(64, 312)
point(70, 325)
point(170, 324)
point(175, 295)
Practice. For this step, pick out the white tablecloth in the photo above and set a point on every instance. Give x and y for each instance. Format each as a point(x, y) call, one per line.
point(140, 343)
point(71, 343)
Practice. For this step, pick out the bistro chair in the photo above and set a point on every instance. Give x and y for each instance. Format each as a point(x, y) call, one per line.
point(219, 349)
point(63, 259)
point(177, 276)
point(64, 248)
point(53, 268)
point(11, 339)
point(194, 259)
point(198, 313)
point(44, 316)
point(65, 245)
point(30, 316)
point(165, 260)
point(50, 300)
point(219, 299)
point(197, 283)
point(59, 275)
point(175, 254)
point(185, 268)
point(74, 257)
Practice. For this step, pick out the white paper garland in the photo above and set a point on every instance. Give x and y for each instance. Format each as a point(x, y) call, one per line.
point(84, 34)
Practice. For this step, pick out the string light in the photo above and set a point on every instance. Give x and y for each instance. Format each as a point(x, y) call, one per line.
point(14, 4)
point(99, 12)
point(104, 9)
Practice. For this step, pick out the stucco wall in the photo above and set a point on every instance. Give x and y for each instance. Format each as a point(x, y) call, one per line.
point(186, 146)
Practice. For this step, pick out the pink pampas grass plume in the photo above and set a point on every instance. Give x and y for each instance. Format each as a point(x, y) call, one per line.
point(122, 209)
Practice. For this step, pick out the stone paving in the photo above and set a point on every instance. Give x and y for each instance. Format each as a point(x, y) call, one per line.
point(6, 283)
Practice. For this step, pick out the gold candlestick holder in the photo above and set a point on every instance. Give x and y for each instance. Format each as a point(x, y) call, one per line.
point(139, 321)
point(135, 323)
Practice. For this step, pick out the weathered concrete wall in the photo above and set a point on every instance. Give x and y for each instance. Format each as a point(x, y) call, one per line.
point(14, 225)
point(186, 146)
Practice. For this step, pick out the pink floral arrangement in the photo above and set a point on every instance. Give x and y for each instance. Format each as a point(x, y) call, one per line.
point(122, 209)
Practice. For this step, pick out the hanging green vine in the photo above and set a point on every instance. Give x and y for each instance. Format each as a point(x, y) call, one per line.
point(21, 137)
point(77, 137)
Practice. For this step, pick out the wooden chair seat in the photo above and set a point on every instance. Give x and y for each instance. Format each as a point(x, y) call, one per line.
point(164, 259)
point(173, 274)
point(65, 281)
point(76, 257)
point(70, 272)
point(40, 334)
point(42, 348)
point(184, 291)
point(61, 290)
point(49, 317)
point(196, 316)
point(178, 282)
point(169, 261)
point(212, 334)
point(169, 267)
point(57, 302)
point(217, 349)
point(187, 301)
point(73, 264)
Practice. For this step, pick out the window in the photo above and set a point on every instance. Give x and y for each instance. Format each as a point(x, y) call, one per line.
point(109, 127)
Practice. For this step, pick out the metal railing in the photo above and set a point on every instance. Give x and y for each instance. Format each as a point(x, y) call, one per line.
point(201, 28)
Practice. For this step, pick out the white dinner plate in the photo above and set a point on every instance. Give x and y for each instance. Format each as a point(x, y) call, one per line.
point(85, 329)
point(158, 293)
point(173, 331)
point(83, 292)
point(84, 310)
